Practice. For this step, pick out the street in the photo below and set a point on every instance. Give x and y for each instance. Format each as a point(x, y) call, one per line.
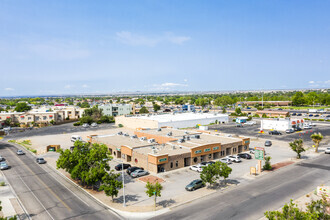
point(44, 193)
point(250, 201)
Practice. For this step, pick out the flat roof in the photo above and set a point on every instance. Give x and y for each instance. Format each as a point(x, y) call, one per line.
point(209, 139)
point(176, 133)
point(158, 150)
point(180, 116)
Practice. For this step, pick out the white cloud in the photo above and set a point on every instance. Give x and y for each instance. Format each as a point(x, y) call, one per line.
point(9, 89)
point(129, 38)
point(319, 84)
point(168, 86)
point(85, 86)
point(327, 82)
point(311, 82)
point(185, 80)
point(67, 86)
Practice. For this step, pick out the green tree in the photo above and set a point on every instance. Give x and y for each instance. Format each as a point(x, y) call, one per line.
point(224, 171)
point(83, 104)
point(86, 119)
point(317, 138)
point(22, 107)
point(298, 99)
point(316, 210)
point(209, 174)
point(154, 190)
point(110, 184)
point(224, 110)
point(143, 110)
point(297, 146)
point(267, 165)
point(238, 111)
point(156, 107)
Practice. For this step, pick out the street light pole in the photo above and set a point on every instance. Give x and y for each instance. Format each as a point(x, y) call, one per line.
point(122, 169)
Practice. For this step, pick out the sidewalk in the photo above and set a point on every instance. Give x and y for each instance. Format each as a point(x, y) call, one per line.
point(10, 204)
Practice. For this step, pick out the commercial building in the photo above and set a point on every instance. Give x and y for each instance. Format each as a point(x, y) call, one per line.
point(281, 124)
point(188, 108)
point(27, 118)
point(177, 120)
point(116, 109)
point(160, 150)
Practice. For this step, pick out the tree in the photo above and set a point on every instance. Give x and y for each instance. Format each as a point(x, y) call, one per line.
point(267, 165)
point(224, 110)
point(298, 99)
point(154, 190)
point(209, 174)
point(315, 210)
point(317, 138)
point(224, 170)
point(86, 119)
point(297, 146)
point(83, 104)
point(22, 107)
point(238, 111)
point(110, 184)
point(156, 107)
point(143, 110)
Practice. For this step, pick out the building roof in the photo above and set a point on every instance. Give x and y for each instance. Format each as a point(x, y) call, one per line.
point(158, 150)
point(180, 116)
point(121, 140)
point(272, 112)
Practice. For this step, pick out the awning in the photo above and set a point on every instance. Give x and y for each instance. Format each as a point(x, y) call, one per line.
point(293, 122)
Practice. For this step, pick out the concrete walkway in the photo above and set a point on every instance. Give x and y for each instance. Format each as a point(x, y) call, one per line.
point(7, 199)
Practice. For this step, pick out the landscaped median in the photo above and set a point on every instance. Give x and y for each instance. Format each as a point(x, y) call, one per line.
point(24, 143)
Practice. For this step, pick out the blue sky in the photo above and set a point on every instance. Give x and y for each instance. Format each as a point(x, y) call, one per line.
point(79, 47)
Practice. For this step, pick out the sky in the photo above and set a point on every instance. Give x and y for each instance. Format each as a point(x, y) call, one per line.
point(96, 47)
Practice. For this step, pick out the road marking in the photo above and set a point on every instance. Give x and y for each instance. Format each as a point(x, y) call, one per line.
point(42, 182)
point(34, 195)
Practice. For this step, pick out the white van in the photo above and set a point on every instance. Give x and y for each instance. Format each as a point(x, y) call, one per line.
point(75, 138)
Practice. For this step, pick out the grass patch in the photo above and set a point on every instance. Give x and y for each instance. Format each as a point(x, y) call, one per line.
point(26, 144)
point(2, 183)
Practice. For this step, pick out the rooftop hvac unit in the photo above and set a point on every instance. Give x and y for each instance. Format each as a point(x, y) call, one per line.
point(152, 140)
point(126, 135)
point(120, 133)
point(134, 136)
point(159, 129)
point(180, 140)
point(197, 136)
point(169, 133)
point(154, 151)
point(173, 147)
point(186, 132)
point(143, 138)
point(188, 138)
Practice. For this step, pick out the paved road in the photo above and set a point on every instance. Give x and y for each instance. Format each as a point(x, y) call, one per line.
point(250, 201)
point(44, 193)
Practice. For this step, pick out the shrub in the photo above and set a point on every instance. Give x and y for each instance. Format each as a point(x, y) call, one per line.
point(76, 123)
point(267, 165)
point(120, 125)
point(321, 119)
point(314, 119)
point(67, 118)
point(52, 122)
point(2, 183)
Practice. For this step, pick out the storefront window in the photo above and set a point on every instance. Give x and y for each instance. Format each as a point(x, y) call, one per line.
point(177, 163)
point(195, 159)
point(210, 156)
point(171, 164)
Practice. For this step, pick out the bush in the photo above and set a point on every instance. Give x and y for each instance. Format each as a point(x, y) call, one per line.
point(67, 118)
point(314, 119)
point(99, 122)
point(257, 116)
point(120, 125)
point(76, 123)
point(234, 120)
point(52, 122)
point(267, 165)
point(321, 119)
point(2, 183)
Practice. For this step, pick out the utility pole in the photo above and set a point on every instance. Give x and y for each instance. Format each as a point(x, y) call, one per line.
point(262, 100)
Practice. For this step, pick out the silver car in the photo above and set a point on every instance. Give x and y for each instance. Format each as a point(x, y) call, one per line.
point(20, 152)
point(225, 160)
point(3, 166)
point(138, 173)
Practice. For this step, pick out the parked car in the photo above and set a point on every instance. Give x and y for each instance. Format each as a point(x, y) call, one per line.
point(274, 132)
point(75, 138)
point(251, 123)
point(93, 124)
point(202, 164)
point(307, 126)
point(310, 115)
point(297, 129)
point(245, 156)
point(120, 166)
point(138, 173)
point(225, 160)
point(268, 143)
point(210, 163)
point(3, 166)
point(289, 131)
point(234, 158)
point(316, 115)
point(195, 184)
point(196, 168)
point(251, 151)
point(20, 152)
point(132, 169)
point(40, 160)
point(327, 150)
point(299, 114)
point(294, 114)
point(239, 125)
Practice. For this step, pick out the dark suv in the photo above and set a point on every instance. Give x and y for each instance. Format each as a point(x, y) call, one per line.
point(245, 156)
point(132, 169)
point(120, 166)
point(275, 133)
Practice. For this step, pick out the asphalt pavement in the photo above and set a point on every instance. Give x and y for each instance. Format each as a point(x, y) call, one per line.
point(45, 194)
point(250, 201)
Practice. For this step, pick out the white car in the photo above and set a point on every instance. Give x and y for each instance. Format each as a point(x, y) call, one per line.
point(85, 125)
point(225, 160)
point(4, 166)
point(20, 152)
point(327, 150)
point(251, 123)
point(94, 124)
point(307, 126)
point(234, 158)
point(196, 168)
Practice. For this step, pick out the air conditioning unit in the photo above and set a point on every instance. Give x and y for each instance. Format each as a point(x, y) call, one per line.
point(159, 129)
point(120, 133)
point(152, 140)
point(126, 135)
point(169, 133)
point(188, 138)
point(143, 138)
point(134, 136)
point(173, 147)
point(154, 151)
point(197, 136)
point(180, 140)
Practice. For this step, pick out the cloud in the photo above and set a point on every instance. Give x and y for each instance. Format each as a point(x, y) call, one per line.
point(168, 86)
point(311, 82)
point(132, 39)
point(85, 86)
point(67, 86)
point(185, 80)
point(9, 89)
point(58, 50)
point(319, 84)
